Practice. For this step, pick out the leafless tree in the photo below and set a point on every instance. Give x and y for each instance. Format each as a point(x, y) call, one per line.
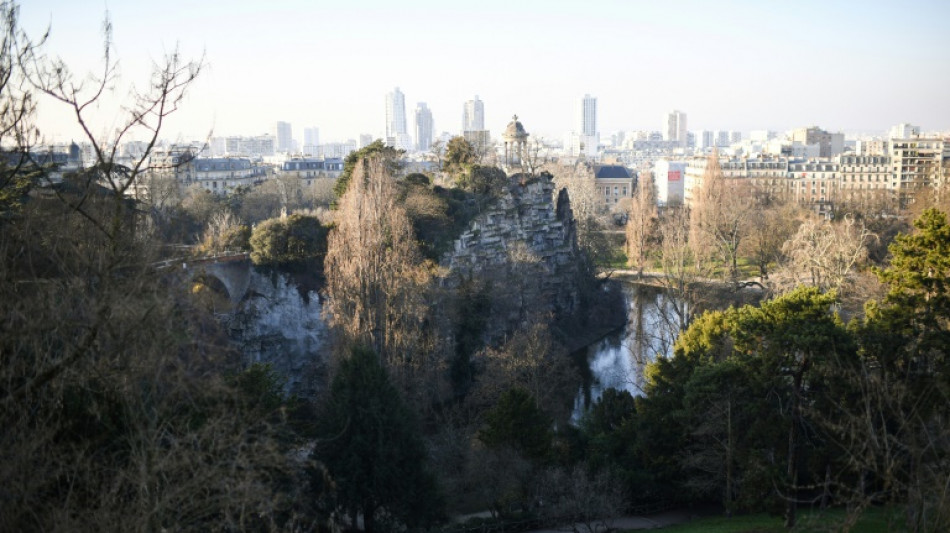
point(683, 274)
point(770, 226)
point(719, 218)
point(588, 501)
point(377, 283)
point(894, 447)
point(533, 360)
point(115, 408)
point(641, 223)
point(221, 231)
point(825, 254)
point(588, 207)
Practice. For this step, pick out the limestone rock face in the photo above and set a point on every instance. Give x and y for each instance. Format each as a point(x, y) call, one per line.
point(276, 324)
point(527, 243)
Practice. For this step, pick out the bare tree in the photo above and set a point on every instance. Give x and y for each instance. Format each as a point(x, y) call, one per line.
point(587, 205)
point(825, 254)
point(588, 500)
point(533, 360)
point(224, 232)
point(770, 226)
point(719, 218)
point(116, 411)
point(683, 274)
point(377, 283)
point(641, 223)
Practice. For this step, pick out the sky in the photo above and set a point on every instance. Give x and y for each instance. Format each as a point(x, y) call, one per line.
point(853, 66)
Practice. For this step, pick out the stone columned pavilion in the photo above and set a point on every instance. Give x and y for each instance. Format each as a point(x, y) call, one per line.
point(516, 142)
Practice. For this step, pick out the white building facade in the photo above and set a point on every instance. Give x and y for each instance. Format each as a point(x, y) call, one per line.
point(669, 178)
point(674, 129)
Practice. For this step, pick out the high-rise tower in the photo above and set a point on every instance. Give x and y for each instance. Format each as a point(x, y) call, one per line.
point(587, 116)
point(285, 137)
point(675, 127)
point(473, 115)
point(311, 139)
point(423, 127)
point(395, 113)
point(584, 138)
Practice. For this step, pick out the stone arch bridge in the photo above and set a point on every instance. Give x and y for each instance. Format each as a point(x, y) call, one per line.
point(231, 269)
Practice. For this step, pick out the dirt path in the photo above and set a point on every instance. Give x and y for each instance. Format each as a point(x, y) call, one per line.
point(651, 521)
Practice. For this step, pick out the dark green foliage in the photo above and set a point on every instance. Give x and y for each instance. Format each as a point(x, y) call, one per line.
point(418, 180)
point(611, 411)
point(460, 156)
point(473, 308)
point(439, 215)
point(898, 406)
point(484, 181)
point(516, 422)
point(376, 148)
point(372, 447)
point(917, 305)
point(610, 434)
point(732, 406)
point(260, 388)
point(297, 243)
point(472, 312)
point(15, 184)
point(428, 213)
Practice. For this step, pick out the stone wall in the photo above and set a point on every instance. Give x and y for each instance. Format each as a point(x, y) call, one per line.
point(526, 243)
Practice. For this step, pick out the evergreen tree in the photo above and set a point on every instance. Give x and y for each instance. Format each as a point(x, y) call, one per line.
point(517, 422)
point(917, 305)
point(372, 448)
point(375, 149)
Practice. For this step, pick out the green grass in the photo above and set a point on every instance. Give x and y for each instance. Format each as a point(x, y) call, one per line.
point(872, 521)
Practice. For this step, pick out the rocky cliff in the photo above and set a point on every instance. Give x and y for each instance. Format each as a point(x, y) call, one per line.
point(277, 324)
point(526, 243)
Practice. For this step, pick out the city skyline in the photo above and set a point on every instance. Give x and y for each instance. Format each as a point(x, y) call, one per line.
point(730, 66)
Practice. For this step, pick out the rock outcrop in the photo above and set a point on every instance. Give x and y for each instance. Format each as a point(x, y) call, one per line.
point(276, 324)
point(525, 242)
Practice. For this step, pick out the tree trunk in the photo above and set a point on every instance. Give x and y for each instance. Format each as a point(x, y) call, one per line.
point(729, 448)
point(369, 518)
point(826, 493)
point(791, 498)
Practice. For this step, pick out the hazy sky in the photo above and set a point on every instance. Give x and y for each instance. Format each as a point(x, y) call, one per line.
point(853, 66)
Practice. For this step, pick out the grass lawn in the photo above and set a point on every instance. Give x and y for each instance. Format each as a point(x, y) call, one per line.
point(873, 521)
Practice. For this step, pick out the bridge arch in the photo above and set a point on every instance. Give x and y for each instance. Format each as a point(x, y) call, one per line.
point(230, 274)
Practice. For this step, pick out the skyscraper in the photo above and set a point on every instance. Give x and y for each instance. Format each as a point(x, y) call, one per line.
point(584, 138)
point(423, 127)
point(311, 139)
point(395, 114)
point(675, 128)
point(285, 137)
point(473, 115)
point(587, 116)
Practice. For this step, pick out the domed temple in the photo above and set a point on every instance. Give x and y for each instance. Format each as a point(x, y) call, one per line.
point(516, 142)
